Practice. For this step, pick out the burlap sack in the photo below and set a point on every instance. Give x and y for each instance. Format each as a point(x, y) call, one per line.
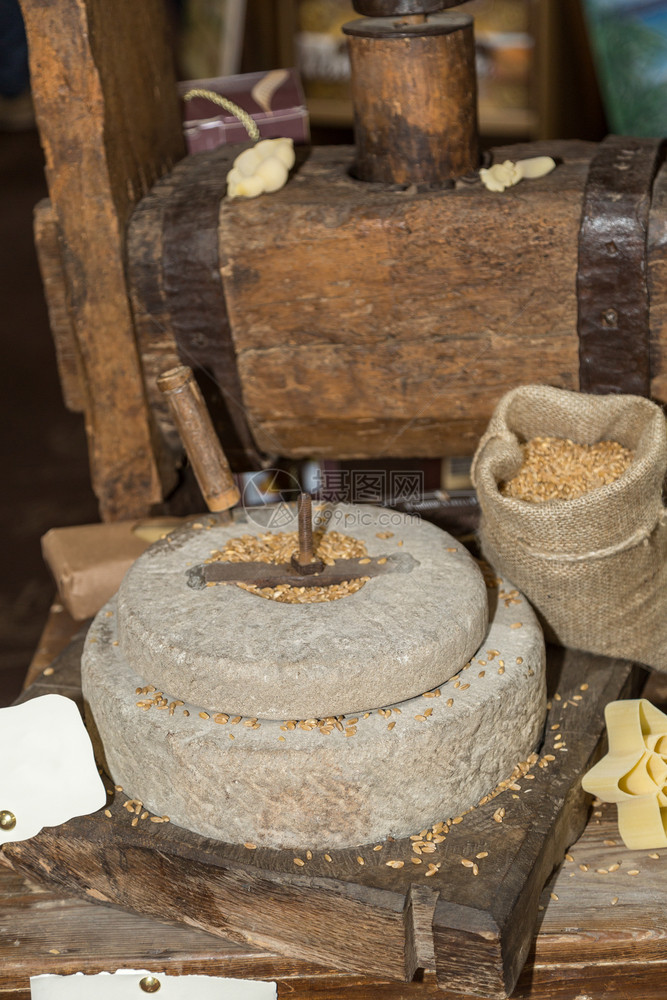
point(594, 568)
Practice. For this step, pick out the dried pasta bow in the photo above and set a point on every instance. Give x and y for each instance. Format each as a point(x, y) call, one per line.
point(261, 169)
point(634, 772)
point(507, 174)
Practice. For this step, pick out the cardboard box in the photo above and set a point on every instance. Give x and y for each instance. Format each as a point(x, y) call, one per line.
point(273, 99)
point(88, 562)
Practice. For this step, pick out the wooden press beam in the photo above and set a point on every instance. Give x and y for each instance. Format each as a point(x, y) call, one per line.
point(105, 99)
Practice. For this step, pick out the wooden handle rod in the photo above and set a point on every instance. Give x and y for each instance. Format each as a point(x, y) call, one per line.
point(201, 443)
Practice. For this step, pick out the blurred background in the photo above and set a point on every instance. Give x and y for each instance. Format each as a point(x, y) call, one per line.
point(547, 69)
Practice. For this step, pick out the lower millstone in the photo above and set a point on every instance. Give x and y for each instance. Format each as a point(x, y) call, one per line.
point(393, 771)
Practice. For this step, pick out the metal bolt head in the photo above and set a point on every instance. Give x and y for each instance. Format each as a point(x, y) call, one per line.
point(307, 569)
point(150, 984)
point(7, 820)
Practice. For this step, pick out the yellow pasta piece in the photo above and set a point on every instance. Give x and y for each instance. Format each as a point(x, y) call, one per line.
point(633, 774)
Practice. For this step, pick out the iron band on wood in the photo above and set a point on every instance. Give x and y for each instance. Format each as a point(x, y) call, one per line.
point(178, 298)
point(207, 342)
point(399, 8)
point(612, 290)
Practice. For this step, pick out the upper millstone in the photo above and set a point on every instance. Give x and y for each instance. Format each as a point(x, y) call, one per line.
point(402, 633)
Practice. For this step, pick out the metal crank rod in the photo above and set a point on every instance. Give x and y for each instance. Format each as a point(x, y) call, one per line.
point(306, 563)
point(274, 574)
point(304, 568)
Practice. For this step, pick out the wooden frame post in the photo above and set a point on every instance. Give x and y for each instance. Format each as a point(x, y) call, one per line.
point(108, 114)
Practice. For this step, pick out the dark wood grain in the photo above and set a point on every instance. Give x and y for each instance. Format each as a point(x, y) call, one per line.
point(355, 321)
point(584, 945)
point(657, 287)
point(369, 321)
point(358, 327)
point(194, 294)
point(178, 300)
point(369, 919)
point(48, 244)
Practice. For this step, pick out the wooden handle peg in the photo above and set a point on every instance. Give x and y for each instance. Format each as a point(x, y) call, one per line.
point(201, 443)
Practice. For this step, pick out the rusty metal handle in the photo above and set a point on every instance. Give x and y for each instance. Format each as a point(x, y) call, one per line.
point(201, 443)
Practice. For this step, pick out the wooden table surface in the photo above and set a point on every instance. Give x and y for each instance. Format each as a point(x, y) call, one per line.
point(602, 933)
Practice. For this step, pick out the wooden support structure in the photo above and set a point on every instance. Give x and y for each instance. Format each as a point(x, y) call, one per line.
point(109, 120)
point(335, 318)
point(380, 321)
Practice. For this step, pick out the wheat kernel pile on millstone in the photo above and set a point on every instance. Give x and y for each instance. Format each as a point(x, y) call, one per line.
point(558, 469)
point(280, 547)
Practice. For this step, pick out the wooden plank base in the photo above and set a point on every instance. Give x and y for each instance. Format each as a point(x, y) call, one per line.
point(585, 945)
point(454, 930)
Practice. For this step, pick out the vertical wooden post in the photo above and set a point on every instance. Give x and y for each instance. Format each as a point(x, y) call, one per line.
point(108, 115)
point(414, 91)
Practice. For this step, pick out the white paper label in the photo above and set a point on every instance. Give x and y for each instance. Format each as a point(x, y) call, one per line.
point(48, 772)
point(130, 984)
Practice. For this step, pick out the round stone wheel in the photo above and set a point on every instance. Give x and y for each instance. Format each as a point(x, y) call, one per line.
point(388, 772)
point(234, 651)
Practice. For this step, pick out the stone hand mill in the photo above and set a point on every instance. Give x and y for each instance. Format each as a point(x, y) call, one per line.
point(378, 305)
